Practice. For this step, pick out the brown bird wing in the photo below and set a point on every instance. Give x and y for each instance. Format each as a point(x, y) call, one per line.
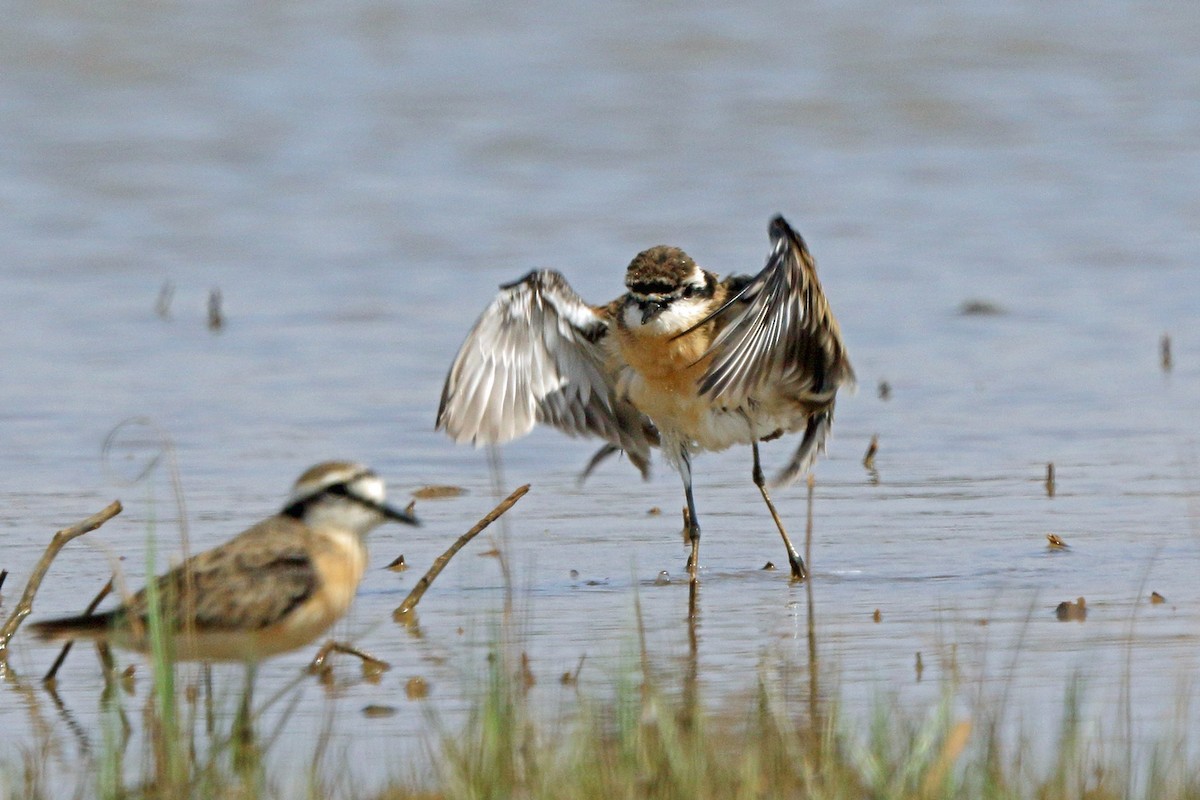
point(777, 329)
point(250, 582)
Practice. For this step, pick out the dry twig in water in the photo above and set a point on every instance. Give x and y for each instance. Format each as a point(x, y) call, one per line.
point(66, 648)
point(419, 590)
point(872, 449)
point(371, 665)
point(25, 606)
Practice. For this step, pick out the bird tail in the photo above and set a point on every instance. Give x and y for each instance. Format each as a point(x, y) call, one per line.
point(91, 626)
point(812, 445)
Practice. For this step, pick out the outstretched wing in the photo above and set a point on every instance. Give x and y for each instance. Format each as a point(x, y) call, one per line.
point(777, 329)
point(535, 355)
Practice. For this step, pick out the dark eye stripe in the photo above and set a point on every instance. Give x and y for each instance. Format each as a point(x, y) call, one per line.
point(653, 288)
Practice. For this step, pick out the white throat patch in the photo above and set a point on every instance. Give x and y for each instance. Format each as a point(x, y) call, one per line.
point(677, 317)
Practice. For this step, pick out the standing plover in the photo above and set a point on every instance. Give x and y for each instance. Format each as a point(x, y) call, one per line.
point(274, 587)
point(683, 360)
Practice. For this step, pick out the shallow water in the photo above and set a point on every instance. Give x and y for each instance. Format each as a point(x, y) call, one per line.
point(357, 178)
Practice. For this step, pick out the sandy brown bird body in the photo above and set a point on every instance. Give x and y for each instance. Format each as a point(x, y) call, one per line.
point(272, 588)
point(684, 360)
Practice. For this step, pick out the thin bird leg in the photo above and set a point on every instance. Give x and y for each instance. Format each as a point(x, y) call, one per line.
point(693, 528)
point(799, 573)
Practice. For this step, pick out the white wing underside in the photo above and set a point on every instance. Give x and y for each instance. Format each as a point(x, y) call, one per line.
point(536, 355)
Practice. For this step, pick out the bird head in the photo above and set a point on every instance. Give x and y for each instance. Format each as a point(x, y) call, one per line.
point(658, 278)
point(344, 495)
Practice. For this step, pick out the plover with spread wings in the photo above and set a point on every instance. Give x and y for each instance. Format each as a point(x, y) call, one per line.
point(683, 360)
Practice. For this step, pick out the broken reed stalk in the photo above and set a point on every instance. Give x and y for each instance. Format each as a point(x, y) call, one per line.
point(422, 586)
point(60, 539)
point(66, 648)
point(333, 646)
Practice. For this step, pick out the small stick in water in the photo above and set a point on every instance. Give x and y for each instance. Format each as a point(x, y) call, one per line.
point(1050, 482)
point(216, 319)
point(872, 449)
point(422, 586)
point(1164, 352)
point(66, 648)
point(60, 539)
point(162, 306)
point(370, 664)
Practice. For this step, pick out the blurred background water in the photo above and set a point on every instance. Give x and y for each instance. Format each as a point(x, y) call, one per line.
point(356, 178)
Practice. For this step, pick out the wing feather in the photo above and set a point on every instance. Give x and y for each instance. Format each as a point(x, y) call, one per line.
point(537, 355)
point(777, 329)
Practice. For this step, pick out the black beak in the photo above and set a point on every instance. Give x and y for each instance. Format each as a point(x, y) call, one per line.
point(651, 309)
point(388, 511)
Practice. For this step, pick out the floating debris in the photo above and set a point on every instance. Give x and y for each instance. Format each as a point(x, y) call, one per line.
point(1157, 599)
point(493, 553)
point(877, 616)
point(980, 308)
point(374, 711)
point(574, 574)
point(872, 449)
point(436, 492)
point(127, 679)
point(1056, 543)
point(411, 507)
point(654, 511)
point(324, 675)
point(216, 318)
point(885, 390)
point(528, 680)
point(662, 579)
point(920, 666)
point(416, 688)
point(1068, 611)
point(981, 622)
point(398, 564)
point(769, 565)
point(1051, 484)
point(373, 669)
point(1164, 352)
point(162, 306)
